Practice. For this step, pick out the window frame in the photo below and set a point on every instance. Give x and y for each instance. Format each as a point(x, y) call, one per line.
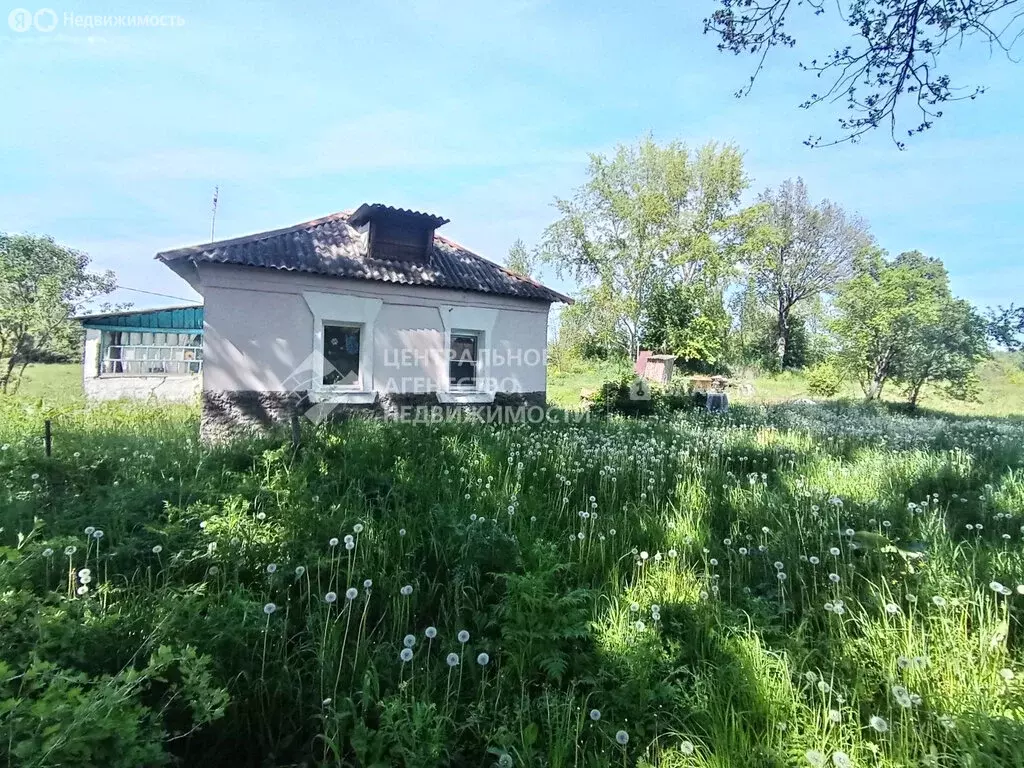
point(344, 310)
point(146, 350)
point(479, 337)
point(356, 386)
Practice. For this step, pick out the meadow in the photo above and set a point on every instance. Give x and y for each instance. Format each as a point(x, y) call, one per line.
point(784, 585)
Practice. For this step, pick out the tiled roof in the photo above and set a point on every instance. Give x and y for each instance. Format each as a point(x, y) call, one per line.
point(332, 246)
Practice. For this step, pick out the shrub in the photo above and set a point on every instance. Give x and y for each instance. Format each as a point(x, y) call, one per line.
point(825, 380)
point(630, 396)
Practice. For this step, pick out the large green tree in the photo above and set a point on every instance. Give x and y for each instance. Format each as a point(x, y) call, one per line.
point(898, 321)
point(892, 60)
point(649, 218)
point(42, 284)
point(807, 250)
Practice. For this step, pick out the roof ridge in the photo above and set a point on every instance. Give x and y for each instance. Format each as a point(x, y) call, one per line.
point(177, 253)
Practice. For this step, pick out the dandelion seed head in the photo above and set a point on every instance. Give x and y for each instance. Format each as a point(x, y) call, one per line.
point(879, 724)
point(331, 597)
point(406, 654)
point(483, 659)
point(351, 593)
point(430, 633)
point(269, 608)
point(622, 738)
point(463, 636)
point(452, 660)
point(409, 641)
point(406, 590)
point(815, 758)
point(595, 715)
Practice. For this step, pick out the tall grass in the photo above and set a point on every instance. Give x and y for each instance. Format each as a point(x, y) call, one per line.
point(787, 586)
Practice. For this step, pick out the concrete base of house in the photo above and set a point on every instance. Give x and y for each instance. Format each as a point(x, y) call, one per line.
point(180, 389)
point(230, 414)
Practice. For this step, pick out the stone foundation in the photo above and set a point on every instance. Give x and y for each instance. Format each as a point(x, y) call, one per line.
point(229, 414)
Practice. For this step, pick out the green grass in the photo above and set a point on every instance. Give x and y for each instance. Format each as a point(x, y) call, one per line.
point(628, 567)
point(55, 383)
point(1001, 379)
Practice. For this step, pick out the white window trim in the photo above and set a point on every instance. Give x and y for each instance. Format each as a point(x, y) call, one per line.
point(338, 309)
point(468, 320)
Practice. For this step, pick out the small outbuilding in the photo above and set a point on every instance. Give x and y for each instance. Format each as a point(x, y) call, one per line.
point(149, 353)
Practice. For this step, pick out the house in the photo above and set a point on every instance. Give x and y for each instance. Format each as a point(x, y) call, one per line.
point(143, 354)
point(365, 310)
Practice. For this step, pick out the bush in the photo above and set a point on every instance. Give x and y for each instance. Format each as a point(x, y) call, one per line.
point(630, 396)
point(825, 380)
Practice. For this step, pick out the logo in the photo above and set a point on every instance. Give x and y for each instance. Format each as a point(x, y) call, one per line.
point(45, 20)
point(640, 389)
point(22, 20)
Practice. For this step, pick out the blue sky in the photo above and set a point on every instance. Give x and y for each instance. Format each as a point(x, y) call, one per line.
point(113, 138)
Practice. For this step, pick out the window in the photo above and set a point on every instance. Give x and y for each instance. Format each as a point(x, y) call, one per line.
point(341, 355)
point(151, 353)
point(464, 360)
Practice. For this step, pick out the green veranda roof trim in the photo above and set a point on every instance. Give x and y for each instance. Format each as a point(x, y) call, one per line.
point(168, 320)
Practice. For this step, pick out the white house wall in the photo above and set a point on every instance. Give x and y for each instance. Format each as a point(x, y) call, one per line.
point(258, 333)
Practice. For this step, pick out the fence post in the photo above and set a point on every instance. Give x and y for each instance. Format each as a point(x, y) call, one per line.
point(48, 437)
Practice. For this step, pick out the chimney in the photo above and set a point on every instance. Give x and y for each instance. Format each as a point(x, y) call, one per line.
point(397, 234)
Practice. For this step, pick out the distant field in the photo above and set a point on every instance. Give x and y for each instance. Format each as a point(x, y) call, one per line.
point(1002, 388)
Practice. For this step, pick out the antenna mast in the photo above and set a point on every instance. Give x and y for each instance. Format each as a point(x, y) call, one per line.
point(213, 219)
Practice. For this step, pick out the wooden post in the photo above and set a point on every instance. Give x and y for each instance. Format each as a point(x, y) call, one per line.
point(48, 437)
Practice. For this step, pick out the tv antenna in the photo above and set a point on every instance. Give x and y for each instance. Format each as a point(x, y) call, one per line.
point(213, 218)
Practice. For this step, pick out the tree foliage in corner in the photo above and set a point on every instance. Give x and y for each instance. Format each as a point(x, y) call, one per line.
point(808, 249)
point(1006, 327)
point(899, 322)
point(42, 284)
point(650, 218)
point(892, 61)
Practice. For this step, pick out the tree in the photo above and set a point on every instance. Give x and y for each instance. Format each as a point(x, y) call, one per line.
point(898, 321)
point(945, 352)
point(588, 328)
point(1006, 327)
point(809, 250)
point(42, 284)
point(520, 260)
point(689, 321)
point(893, 58)
point(648, 218)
